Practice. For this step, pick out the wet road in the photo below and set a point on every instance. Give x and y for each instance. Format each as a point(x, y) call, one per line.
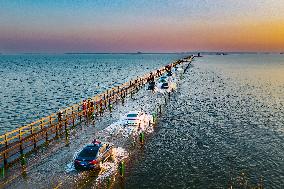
point(53, 166)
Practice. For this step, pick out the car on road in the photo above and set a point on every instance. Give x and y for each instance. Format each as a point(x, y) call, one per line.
point(169, 73)
point(92, 156)
point(135, 118)
point(164, 82)
point(151, 86)
point(163, 79)
point(165, 85)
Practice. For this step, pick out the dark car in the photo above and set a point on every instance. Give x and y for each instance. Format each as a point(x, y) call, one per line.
point(165, 86)
point(93, 155)
point(151, 86)
point(169, 73)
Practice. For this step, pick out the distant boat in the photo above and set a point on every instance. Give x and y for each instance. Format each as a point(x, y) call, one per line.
point(136, 53)
point(199, 55)
point(280, 53)
point(221, 53)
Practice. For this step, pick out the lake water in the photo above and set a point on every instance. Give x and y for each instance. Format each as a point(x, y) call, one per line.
point(34, 86)
point(224, 126)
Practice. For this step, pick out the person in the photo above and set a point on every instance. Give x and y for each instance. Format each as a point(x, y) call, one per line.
point(101, 107)
point(91, 109)
point(151, 77)
point(141, 137)
point(92, 104)
point(122, 98)
point(97, 109)
point(60, 115)
point(158, 73)
point(110, 107)
point(84, 107)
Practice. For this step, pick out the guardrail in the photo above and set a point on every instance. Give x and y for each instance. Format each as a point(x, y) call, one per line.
point(23, 140)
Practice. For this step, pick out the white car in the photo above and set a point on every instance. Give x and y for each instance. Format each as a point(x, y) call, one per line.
point(135, 118)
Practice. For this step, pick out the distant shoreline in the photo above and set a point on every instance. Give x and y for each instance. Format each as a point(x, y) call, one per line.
point(126, 53)
point(140, 53)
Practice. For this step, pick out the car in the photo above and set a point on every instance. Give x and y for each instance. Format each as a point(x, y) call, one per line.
point(165, 85)
point(92, 156)
point(163, 79)
point(151, 86)
point(164, 82)
point(169, 73)
point(135, 118)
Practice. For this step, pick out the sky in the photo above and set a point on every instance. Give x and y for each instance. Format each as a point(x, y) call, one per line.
point(58, 26)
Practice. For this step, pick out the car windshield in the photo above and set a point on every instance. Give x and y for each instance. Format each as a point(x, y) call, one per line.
point(89, 152)
point(132, 115)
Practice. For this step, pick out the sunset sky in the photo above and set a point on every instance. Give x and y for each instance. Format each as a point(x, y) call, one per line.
point(48, 26)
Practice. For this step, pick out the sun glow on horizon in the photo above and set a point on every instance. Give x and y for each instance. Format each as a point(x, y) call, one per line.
point(123, 26)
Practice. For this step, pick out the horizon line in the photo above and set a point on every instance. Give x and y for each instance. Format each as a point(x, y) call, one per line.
point(139, 52)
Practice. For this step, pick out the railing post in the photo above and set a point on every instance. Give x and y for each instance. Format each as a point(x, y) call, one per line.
point(6, 142)
point(117, 95)
point(73, 121)
point(41, 126)
point(20, 139)
point(66, 130)
point(46, 132)
point(5, 159)
point(65, 118)
point(34, 140)
point(96, 110)
point(56, 130)
point(31, 129)
point(50, 122)
point(46, 137)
